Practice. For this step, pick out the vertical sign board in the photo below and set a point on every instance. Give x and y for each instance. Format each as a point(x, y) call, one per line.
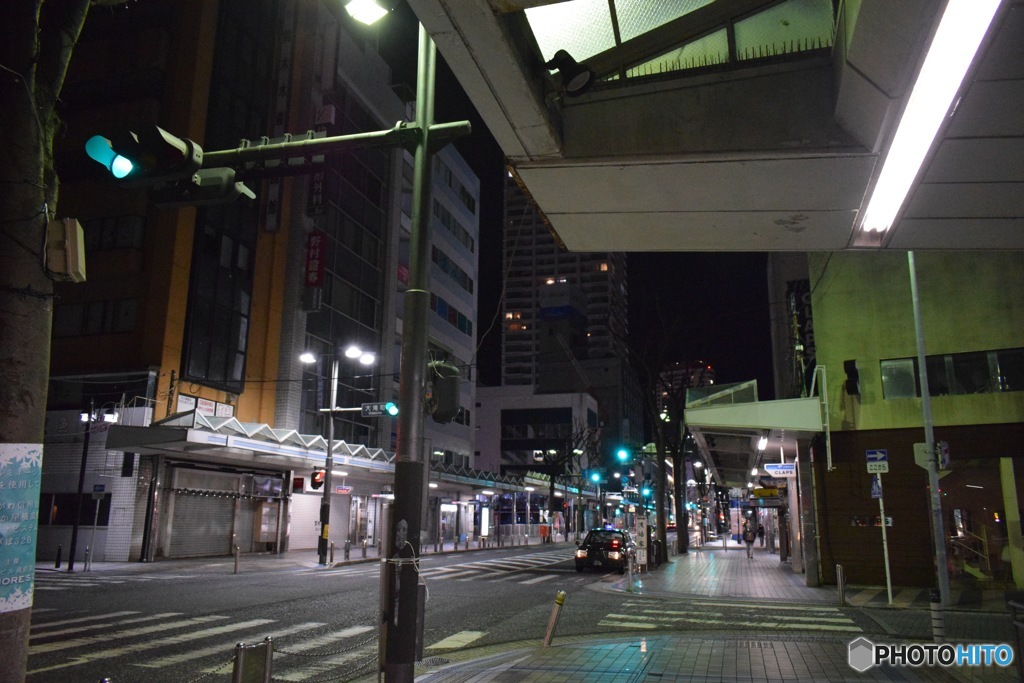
point(641, 541)
point(20, 474)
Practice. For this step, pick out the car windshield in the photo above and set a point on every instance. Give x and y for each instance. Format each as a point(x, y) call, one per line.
point(606, 537)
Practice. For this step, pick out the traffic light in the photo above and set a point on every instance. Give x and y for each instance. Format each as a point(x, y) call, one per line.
point(391, 408)
point(317, 480)
point(646, 490)
point(623, 455)
point(150, 156)
point(443, 405)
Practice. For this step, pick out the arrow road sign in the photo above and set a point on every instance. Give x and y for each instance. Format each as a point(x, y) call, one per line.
point(878, 461)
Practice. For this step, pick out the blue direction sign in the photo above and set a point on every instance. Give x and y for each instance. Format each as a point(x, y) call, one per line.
point(878, 461)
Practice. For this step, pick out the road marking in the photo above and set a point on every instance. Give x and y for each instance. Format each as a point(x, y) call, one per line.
point(93, 627)
point(224, 648)
point(810, 626)
point(863, 597)
point(79, 620)
point(107, 637)
point(153, 644)
point(457, 640)
point(539, 579)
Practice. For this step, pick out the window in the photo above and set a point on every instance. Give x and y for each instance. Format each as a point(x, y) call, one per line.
point(975, 372)
point(899, 378)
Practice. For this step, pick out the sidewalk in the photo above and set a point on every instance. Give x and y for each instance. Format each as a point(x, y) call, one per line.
point(714, 571)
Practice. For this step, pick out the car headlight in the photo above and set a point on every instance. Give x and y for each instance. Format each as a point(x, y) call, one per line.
point(615, 555)
point(581, 553)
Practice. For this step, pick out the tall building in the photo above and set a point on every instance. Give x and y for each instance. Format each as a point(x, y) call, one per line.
point(195, 318)
point(565, 318)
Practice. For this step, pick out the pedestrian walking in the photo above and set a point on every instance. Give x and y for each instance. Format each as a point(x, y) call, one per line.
point(760, 534)
point(749, 534)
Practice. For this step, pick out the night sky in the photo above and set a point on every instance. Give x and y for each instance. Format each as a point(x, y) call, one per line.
point(723, 296)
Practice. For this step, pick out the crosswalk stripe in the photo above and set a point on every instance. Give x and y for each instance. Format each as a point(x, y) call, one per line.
point(92, 627)
point(456, 640)
point(79, 620)
point(152, 644)
point(740, 605)
point(545, 577)
point(862, 597)
point(810, 625)
point(225, 648)
point(906, 597)
point(106, 637)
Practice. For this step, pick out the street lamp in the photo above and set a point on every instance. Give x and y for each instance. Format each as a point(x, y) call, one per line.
point(88, 418)
point(365, 358)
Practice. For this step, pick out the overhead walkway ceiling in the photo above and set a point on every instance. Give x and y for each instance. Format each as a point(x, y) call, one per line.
point(746, 125)
point(728, 423)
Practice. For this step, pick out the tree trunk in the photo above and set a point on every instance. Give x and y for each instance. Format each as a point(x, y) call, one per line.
point(34, 54)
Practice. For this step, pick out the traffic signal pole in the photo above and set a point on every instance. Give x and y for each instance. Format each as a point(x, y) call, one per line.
point(401, 621)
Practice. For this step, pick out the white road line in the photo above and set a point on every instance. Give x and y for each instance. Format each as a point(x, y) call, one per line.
point(472, 572)
point(107, 637)
point(456, 640)
point(864, 596)
point(740, 605)
point(152, 644)
point(226, 648)
point(546, 577)
point(93, 627)
point(811, 626)
point(79, 620)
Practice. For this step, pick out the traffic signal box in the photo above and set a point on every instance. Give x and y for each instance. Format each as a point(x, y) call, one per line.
point(317, 480)
point(147, 157)
point(444, 402)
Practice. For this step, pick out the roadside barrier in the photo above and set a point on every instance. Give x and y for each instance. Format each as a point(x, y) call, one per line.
point(253, 663)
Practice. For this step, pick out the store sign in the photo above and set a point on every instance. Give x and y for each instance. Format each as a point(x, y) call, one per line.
point(781, 469)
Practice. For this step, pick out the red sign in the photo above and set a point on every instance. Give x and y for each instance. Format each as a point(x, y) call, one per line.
point(316, 252)
point(344, 490)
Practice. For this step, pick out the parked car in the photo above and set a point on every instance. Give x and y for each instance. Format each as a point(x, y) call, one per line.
point(605, 548)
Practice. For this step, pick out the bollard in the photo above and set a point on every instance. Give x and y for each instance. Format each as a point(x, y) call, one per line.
point(236, 559)
point(332, 552)
point(60, 551)
point(348, 547)
point(841, 584)
point(86, 565)
point(629, 575)
point(553, 621)
point(938, 618)
point(364, 548)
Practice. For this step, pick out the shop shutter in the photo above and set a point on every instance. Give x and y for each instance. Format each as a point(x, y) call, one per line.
point(202, 526)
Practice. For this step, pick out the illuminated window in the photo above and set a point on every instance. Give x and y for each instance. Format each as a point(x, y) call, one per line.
point(603, 267)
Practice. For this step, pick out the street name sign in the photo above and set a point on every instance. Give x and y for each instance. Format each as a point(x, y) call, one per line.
point(374, 409)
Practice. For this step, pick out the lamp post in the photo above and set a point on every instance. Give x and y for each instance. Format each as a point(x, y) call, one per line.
point(366, 358)
point(87, 418)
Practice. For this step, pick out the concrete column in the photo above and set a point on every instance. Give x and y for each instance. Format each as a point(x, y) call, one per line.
point(1012, 512)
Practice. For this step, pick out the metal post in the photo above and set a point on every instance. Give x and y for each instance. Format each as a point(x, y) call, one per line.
point(841, 584)
point(81, 487)
point(885, 542)
point(553, 621)
point(939, 535)
point(325, 501)
point(399, 664)
point(236, 559)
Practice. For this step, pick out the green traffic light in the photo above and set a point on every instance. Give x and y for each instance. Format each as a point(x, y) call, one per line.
point(391, 408)
point(594, 476)
point(622, 454)
point(646, 491)
point(100, 149)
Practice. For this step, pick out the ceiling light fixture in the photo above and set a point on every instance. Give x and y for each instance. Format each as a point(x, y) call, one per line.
point(963, 25)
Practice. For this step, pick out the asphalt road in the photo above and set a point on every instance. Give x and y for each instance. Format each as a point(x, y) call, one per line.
point(182, 627)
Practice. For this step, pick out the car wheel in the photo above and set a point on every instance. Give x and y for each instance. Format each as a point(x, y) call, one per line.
point(579, 567)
